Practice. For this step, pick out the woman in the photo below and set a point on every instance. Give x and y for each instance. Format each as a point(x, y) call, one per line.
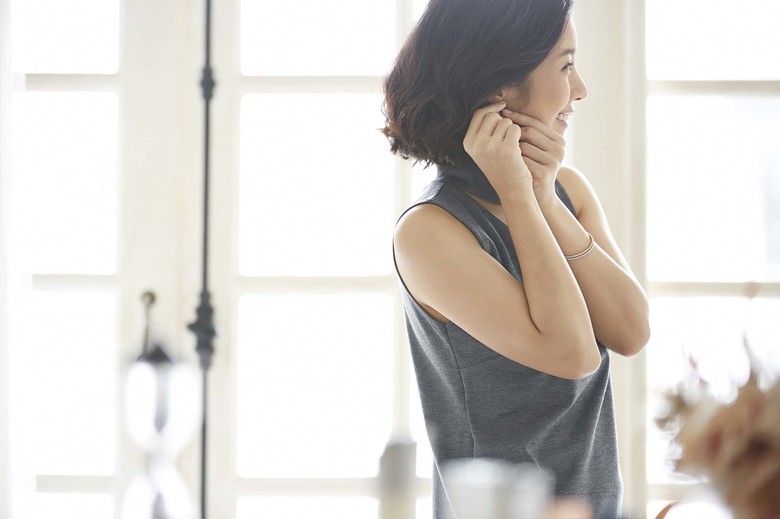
point(510, 364)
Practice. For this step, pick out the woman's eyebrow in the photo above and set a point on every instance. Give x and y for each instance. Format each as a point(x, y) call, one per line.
point(566, 51)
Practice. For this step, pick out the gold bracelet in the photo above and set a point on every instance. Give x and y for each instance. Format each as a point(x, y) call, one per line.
point(583, 253)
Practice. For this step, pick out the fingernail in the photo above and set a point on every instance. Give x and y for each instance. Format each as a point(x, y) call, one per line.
point(507, 111)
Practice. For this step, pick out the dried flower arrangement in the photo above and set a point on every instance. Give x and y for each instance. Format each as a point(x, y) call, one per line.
point(735, 445)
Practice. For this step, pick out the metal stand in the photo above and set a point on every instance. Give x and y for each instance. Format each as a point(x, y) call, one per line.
point(203, 327)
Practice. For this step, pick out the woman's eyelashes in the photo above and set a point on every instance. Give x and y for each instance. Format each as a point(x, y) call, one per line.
point(568, 66)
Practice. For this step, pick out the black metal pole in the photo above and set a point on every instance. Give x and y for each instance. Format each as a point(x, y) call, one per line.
point(203, 327)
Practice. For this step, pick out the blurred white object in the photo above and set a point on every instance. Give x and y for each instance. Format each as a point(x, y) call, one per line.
point(162, 412)
point(701, 501)
point(159, 493)
point(163, 403)
point(397, 479)
point(480, 488)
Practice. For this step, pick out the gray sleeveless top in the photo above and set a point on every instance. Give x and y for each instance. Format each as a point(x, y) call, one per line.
point(478, 403)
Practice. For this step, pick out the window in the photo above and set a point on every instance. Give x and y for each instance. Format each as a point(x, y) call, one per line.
point(320, 345)
point(311, 375)
point(712, 199)
point(65, 359)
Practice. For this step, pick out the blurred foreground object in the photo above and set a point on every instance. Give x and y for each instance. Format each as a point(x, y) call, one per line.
point(735, 445)
point(569, 509)
point(496, 489)
point(162, 410)
point(396, 480)
point(705, 504)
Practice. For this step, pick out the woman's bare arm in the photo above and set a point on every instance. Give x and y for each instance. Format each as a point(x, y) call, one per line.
point(617, 304)
point(543, 322)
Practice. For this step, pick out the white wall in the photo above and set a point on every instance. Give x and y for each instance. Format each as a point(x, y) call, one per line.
point(608, 146)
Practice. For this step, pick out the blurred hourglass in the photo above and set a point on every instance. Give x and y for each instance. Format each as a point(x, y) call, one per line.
point(162, 410)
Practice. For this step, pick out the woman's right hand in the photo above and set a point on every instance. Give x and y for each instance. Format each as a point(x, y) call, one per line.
point(493, 141)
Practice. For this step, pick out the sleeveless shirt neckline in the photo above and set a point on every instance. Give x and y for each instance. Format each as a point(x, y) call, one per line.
point(560, 191)
point(473, 181)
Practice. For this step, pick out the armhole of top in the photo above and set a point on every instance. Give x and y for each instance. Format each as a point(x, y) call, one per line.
point(565, 198)
point(395, 263)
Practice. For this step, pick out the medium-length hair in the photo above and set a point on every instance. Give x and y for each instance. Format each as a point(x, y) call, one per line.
point(458, 55)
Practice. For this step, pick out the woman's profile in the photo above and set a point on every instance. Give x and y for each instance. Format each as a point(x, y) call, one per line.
point(514, 288)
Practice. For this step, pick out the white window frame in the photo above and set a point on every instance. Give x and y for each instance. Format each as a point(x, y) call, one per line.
point(153, 179)
point(230, 88)
point(159, 97)
point(657, 289)
point(160, 143)
point(71, 484)
point(610, 58)
point(6, 85)
point(160, 138)
point(612, 61)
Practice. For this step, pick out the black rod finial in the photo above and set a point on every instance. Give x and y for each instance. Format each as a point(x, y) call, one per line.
point(208, 83)
point(204, 330)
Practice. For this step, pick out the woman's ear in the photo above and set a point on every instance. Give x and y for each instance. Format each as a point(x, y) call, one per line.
point(498, 96)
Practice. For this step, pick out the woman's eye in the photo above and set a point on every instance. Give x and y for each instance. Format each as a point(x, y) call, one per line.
point(568, 66)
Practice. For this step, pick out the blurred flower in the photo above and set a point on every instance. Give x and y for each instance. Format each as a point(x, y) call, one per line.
point(735, 445)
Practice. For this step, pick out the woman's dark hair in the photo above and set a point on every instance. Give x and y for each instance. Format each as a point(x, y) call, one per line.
point(461, 52)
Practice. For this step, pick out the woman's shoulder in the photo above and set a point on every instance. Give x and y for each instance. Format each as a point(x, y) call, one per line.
point(569, 173)
point(572, 178)
point(440, 213)
point(577, 186)
point(426, 225)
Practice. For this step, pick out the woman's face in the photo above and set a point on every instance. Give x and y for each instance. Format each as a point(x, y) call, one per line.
point(553, 86)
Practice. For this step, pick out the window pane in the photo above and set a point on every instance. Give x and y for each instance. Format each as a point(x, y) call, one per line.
point(56, 37)
point(710, 329)
point(316, 198)
point(300, 507)
point(713, 39)
point(314, 385)
point(71, 506)
point(65, 383)
point(418, 7)
point(713, 188)
point(424, 508)
point(66, 160)
point(314, 38)
point(421, 177)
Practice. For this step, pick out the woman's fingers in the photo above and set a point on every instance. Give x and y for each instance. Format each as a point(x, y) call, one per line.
point(526, 120)
point(493, 142)
point(513, 133)
point(489, 131)
point(540, 156)
point(502, 128)
point(477, 121)
point(492, 124)
point(539, 134)
point(533, 166)
point(540, 140)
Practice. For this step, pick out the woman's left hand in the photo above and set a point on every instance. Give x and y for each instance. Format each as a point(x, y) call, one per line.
point(543, 150)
